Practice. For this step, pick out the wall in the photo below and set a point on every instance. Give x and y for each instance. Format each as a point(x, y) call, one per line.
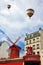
point(15, 61)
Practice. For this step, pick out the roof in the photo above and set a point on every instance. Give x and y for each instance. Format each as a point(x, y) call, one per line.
point(15, 46)
point(11, 60)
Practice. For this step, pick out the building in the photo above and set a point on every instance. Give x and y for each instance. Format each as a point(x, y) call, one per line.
point(3, 49)
point(35, 40)
point(28, 59)
point(10, 55)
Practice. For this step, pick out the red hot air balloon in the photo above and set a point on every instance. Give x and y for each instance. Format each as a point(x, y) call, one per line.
point(8, 6)
point(30, 12)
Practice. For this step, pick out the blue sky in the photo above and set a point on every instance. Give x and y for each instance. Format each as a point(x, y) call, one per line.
point(15, 21)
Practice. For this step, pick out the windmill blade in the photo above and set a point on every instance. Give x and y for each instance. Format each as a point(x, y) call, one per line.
point(10, 40)
point(2, 31)
point(17, 40)
point(6, 35)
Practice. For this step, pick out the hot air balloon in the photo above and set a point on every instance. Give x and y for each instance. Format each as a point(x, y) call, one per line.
point(8, 6)
point(30, 12)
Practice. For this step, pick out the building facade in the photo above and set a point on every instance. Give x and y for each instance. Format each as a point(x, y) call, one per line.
point(3, 49)
point(12, 56)
point(35, 40)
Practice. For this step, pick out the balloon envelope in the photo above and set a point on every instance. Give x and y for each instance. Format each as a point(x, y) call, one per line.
point(30, 12)
point(8, 6)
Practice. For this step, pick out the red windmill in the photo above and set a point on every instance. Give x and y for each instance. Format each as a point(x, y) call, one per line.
point(14, 49)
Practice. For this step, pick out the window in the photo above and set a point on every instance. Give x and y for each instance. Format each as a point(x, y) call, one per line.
point(33, 40)
point(0, 44)
point(30, 41)
point(37, 46)
point(33, 52)
point(37, 39)
point(33, 47)
point(26, 42)
point(38, 52)
point(30, 35)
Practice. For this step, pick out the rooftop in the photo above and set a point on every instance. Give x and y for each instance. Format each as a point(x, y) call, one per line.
point(34, 34)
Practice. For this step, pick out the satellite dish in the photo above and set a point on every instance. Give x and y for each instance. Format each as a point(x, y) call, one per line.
point(8, 6)
point(30, 12)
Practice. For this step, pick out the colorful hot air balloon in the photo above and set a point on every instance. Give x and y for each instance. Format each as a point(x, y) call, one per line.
point(8, 6)
point(30, 12)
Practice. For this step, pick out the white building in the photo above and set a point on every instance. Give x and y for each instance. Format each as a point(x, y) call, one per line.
point(35, 40)
point(3, 49)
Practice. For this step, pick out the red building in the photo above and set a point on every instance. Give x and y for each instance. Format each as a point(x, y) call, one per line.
point(30, 58)
point(14, 59)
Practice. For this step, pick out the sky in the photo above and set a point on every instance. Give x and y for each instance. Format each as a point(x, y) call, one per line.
point(15, 22)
